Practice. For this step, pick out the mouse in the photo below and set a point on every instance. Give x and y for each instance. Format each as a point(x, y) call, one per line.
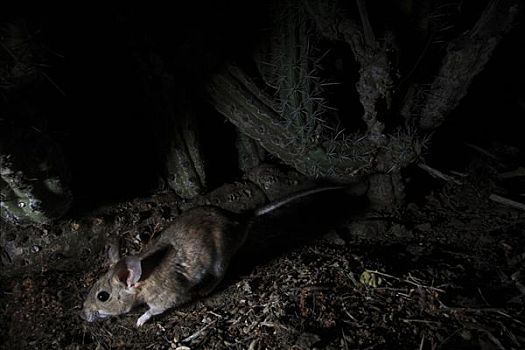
point(187, 261)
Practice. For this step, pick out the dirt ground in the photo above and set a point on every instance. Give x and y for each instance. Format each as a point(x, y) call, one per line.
point(446, 272)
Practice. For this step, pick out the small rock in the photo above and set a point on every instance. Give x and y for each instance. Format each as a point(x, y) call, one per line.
point(74, 226)
point(307, 340)
point(370, 279)
point(333, 237)
point(426, 227)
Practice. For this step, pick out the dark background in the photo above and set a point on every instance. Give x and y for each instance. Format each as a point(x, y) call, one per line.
point(97, 110)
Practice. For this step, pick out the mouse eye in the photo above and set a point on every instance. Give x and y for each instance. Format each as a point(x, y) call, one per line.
point(103, 296)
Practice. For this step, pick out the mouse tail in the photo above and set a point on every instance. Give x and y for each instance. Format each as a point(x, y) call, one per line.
point(293, 197)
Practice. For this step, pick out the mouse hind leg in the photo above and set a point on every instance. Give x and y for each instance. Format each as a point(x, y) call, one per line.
point(206, 285)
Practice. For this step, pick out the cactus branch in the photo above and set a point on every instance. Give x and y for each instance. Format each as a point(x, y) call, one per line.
point(466, 56)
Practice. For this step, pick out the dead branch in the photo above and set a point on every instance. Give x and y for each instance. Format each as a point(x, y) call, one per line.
point(438, 174)
point(466, 57)
point(506, 201)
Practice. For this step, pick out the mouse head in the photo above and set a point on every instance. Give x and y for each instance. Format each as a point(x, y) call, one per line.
point(115, 293)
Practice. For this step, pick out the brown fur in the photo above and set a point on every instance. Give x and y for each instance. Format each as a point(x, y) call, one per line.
point(189, 259)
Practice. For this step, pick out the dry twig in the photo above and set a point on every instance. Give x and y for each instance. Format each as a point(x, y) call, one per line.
point(438, 174)
point(506, 201)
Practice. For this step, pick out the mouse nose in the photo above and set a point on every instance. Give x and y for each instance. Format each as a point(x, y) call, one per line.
point(86, 315)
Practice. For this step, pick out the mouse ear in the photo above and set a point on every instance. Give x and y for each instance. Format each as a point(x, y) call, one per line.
point(128, 271)
point(135, 270)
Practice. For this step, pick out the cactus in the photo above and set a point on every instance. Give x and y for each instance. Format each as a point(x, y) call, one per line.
point(287, 114)
point(33, 177)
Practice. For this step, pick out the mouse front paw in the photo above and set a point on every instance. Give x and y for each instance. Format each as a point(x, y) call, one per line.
point(154, 310)
point(143, 319)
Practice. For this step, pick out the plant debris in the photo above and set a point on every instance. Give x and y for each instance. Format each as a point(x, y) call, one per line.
point(443, 274)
